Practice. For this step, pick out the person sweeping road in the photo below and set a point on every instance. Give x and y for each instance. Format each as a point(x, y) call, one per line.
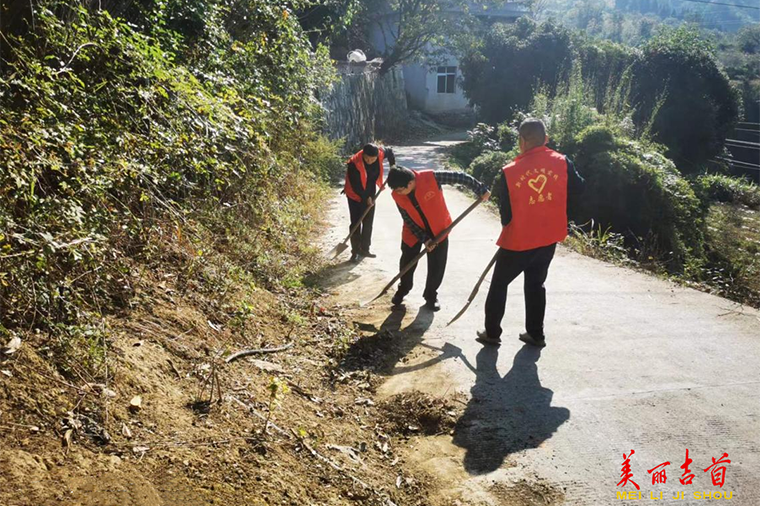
point(420, 201)
point(533, 197)
point(364, 174)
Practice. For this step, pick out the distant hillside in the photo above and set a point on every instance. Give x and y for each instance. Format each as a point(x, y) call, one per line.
point(633, 20)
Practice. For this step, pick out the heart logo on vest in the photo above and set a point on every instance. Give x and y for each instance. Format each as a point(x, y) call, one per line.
point(538, 183)
point(429, 195)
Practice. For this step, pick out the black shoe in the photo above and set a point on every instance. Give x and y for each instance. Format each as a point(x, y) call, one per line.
point(529, 339)
point(433, 305)
point(483, 338)
point(354, 258)
point(398, 299)
point(367, 253)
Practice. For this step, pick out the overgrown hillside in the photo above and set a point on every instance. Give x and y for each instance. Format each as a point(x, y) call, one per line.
point(161, 179)
point(644, 127)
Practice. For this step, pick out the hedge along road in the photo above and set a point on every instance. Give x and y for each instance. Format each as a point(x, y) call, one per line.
point(632, 363)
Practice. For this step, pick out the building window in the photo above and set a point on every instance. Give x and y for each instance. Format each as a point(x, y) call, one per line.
point(447, 79)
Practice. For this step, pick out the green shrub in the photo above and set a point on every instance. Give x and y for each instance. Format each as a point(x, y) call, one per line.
point(605, 63)
point(120, 140)
point(508, 136)
point(569, 112)
point(322, 157)
point(635, 190)
point(721, 188)
point(683, 97)
point(499, 76)
point(483, 138)
point(487, 166)
point(733, 251)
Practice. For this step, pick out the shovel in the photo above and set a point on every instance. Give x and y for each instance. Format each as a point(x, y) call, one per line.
point(475, 290)
point(340, 248)
point(422, 253)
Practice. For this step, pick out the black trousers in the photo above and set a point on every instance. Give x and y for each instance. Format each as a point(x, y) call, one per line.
point(436, 262)
point(510, 264)
point(362, 238)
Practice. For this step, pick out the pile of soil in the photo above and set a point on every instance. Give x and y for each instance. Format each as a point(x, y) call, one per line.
point(378, 352)
point(418, 413)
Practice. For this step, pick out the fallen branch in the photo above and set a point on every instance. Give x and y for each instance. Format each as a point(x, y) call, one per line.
point(66, 67)
point(246, 353)
point(307, 395)
point(329, 462)
point(256, 413)
point(301, 440)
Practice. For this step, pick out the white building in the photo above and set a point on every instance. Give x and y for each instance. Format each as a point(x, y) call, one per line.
point(436, 91)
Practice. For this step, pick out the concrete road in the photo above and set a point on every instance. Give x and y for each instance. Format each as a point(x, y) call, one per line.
point(633, 363)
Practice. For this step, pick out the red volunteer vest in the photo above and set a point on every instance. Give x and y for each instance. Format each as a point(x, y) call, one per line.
point(430, 198)
point(537, 182)
point(358, 161)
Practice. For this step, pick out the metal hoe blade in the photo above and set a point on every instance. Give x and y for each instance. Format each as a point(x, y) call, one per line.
point(337, 250)
point(340, 248)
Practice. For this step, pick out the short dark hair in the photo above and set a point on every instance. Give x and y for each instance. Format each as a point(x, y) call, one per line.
point(399, 177)
point(533, 131)
point(370, 150)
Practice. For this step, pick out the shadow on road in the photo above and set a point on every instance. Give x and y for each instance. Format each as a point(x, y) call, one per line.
point(506, 415)
point(333, 275)
point(448, 351)
point(381, 351)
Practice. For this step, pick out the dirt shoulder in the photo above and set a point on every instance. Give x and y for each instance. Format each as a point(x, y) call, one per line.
point(175, 424)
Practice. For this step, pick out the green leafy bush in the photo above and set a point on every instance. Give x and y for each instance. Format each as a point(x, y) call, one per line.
point(683, 98)
point(483, 138)
point(487, 166)
point(733, 251)
point(722, 188)
point(322, 157)
point(567, 113)
point(635, 190)
point(508, 136)
point(499, 76)
point(604, 64)
point(118, 139)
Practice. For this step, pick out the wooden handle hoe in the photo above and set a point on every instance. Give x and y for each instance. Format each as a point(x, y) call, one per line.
point(475, 290)
point(422, 253)
point(340, 248)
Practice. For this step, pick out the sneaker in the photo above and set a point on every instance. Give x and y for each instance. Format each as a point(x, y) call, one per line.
point(483, 338)
point(368, 254)
point(397, 299)
point(433, 305)
point(529, 339)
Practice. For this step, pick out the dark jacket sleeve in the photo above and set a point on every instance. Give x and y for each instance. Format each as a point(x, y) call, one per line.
point(418, 232)
point(502, 195)
point(390, 156)
point(354, 179)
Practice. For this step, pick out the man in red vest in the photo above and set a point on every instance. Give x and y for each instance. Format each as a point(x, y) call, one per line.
point(364, 176)
point(533, 196)
point(420, 201)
